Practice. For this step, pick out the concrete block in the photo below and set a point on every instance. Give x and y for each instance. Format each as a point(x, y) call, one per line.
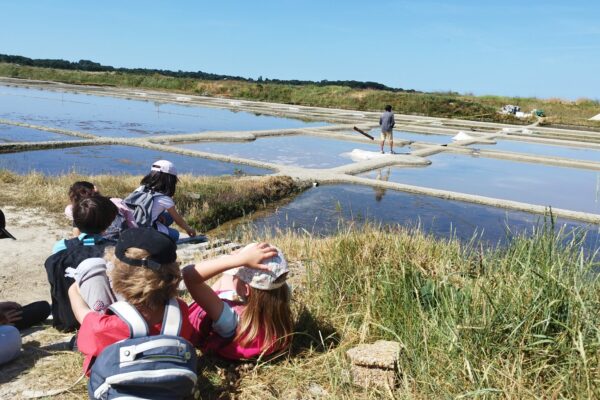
point(375, 364)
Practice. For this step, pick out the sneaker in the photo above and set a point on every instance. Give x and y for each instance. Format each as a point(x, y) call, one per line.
point(382, 152)
point(73, 343)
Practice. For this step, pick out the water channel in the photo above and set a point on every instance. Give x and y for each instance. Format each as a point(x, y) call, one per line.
point(319, 210)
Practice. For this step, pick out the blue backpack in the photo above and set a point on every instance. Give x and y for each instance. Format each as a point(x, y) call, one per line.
point(145, 367)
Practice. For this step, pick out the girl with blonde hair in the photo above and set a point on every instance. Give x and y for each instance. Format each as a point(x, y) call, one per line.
point(246, 314)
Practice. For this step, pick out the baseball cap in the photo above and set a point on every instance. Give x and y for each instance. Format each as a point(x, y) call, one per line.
point(263, 279)
point(164, 166)
point(4, 234)
point(162, 249)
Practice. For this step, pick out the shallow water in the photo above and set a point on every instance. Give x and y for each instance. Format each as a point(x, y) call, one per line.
point(13, 133)
point(321, 210)
point(416, 137)
point(110, 116)
point(114, 160)
point(559, 187)
point(300, 150)
point(577, 153)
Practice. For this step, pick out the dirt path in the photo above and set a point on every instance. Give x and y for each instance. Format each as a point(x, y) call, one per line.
point(22, 273)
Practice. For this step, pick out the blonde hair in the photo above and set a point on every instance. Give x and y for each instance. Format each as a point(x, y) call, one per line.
point(268, 311)
point(142, 287)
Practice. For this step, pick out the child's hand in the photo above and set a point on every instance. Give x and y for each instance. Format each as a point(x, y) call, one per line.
point(191, 232)
point(10, 316)
point(254, 254)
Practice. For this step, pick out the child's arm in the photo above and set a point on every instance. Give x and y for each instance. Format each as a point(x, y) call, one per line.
point(180, 221)
point(79, 306)
point(196, 275)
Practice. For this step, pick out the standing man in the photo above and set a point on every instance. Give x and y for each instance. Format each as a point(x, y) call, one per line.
point(387, 124)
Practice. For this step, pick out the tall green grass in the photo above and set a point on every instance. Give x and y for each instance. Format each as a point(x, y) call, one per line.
point(520, 321)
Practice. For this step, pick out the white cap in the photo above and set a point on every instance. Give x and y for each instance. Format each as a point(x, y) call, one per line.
point(164, 166)
point(262, 279)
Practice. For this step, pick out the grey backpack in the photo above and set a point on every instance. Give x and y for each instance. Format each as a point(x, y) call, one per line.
point(140, 202)
point(145, 367)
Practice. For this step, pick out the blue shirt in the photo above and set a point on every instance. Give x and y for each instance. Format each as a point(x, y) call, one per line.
point(88, 240)
point(387, 121)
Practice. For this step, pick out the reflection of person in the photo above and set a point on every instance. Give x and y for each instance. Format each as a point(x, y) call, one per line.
point(386, 121)
point(379, 191)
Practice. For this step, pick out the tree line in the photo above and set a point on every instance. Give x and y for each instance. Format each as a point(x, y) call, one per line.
point(87, 65)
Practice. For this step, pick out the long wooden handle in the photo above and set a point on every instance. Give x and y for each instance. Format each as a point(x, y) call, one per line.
point(364, 133)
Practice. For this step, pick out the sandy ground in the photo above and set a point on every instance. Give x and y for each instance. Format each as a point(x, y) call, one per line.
point(22, 273)
point(23, 279)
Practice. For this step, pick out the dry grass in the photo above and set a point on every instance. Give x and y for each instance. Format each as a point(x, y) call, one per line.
point(205, 202)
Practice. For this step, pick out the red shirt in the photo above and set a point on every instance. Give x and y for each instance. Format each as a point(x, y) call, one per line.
point(99, 331)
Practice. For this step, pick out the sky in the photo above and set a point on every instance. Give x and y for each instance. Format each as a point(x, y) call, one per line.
point(516, 48)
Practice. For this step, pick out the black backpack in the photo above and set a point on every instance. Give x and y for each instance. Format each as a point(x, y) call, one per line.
point(76, 251)
point(141, 204)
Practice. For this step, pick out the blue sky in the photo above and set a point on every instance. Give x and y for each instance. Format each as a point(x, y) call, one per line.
point(523, 48)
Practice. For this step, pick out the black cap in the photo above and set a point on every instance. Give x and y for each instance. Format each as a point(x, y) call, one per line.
point(161, 247)
point(4, 234)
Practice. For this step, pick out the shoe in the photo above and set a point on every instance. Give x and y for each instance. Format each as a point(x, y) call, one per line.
point(393, 152)
point(73, 343)
point(382, 152)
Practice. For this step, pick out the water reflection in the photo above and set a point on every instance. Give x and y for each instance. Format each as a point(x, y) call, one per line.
point(110, 116)
point(300, 150)
point(382, 175)
point(12, 133)
point(323, 210)
point(577, 153)
point(114, 160)
point(546, 185)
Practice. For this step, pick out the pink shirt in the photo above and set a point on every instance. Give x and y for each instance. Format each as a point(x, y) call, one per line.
point(208, 341)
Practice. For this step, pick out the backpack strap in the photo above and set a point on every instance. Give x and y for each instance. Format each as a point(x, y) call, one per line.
point(87, 240)
point(128, 313)
point(172, 318)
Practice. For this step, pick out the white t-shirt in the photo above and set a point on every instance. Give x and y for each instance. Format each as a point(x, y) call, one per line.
point(161, 203)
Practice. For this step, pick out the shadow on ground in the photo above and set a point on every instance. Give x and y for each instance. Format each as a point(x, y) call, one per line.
point(221, 379)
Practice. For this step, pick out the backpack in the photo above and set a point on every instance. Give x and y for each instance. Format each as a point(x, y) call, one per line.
point(148, 367)
point(124, 220)
point(76, 251)
point(140, 202)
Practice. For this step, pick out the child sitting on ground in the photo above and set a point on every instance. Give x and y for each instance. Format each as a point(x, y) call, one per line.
point(160, 184)
point(78, 191)
point(247, 312)
point(92, 216)
point(145, 274)
point(81, 190)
